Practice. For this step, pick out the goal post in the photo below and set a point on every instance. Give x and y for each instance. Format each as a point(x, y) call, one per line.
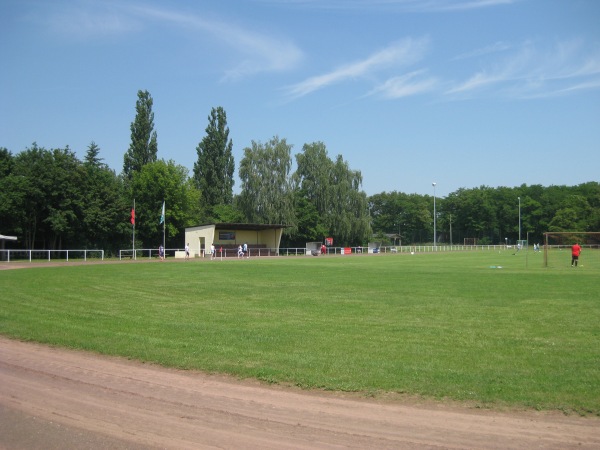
point(557, 247)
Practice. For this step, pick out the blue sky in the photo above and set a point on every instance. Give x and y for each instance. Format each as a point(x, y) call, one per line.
point(461, 92)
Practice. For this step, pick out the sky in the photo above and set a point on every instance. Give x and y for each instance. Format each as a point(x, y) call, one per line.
point(461, 93)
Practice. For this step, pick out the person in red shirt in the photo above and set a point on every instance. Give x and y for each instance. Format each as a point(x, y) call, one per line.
point(575, 251)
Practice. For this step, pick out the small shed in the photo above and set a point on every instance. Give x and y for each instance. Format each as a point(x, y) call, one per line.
point(230, 235)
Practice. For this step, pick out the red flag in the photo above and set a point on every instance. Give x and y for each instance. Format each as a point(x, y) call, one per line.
point(132, 216)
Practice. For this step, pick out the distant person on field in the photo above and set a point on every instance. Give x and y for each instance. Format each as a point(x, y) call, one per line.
point(213, 251)
point(240, 252)
point(575, 251)
point(323, 249)
point(161, 252)
point(187, 251)
point(246, 250)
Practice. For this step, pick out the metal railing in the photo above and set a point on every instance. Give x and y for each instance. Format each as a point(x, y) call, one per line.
point(30, 255)
point(50, 255)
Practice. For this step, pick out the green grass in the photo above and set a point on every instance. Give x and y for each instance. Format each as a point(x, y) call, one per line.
point(444, 326)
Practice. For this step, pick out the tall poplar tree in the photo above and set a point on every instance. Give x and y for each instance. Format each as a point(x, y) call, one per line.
point(213, 171)
point(143, 148)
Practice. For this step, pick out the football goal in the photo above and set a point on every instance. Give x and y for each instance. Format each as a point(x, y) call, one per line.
point(557, 248)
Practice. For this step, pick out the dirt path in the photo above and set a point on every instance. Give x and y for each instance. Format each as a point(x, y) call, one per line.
point(53, 398)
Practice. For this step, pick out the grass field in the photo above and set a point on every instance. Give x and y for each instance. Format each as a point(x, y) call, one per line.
point(444, 326)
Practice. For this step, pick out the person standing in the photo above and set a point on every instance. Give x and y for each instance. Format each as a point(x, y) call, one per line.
point(246, 250)
point(575, 252)
point(213, 251)
point(187, 251)
point(161, 252)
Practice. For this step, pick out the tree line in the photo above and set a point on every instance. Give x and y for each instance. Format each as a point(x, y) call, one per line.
point(50, 199)
point(488, 215)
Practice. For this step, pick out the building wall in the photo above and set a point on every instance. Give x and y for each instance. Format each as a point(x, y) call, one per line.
point(200, 238)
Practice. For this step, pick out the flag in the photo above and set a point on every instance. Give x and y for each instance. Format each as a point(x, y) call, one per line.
point(132, 216)
point(162, 216)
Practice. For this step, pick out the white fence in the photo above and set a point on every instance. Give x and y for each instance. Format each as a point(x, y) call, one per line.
point(301, 251)
point(226, 253)
point(29, 255)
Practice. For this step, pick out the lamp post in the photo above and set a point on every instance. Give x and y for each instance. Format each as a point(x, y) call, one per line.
point(434, 219)
point(519, 219)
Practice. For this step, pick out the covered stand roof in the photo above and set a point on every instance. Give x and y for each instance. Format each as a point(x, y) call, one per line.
point(246, 226)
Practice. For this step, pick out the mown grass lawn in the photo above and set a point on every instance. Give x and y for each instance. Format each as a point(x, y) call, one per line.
point(442, 325)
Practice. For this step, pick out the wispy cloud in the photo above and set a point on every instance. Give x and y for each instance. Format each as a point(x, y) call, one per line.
point(412, 83)
point(531, 72)
point(260, 52)
point(489, 49)
point(85, 21)
point(458, 5)
point(405, 52)
point(422, 6)
point(257, 52)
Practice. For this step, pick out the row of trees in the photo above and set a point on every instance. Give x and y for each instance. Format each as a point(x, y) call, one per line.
point(52, 200)
point(489, 215)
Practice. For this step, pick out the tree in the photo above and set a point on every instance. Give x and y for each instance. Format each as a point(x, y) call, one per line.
point(10, 193)
point(334, 191)
point(394, 213)
point(143, 148)
point(348, 221)
point(91, 156)
point(213, 171)
point(309, 226)
point(103, 205)
point(48, 193)
point(6, 162)
point(313, 175)
point(158, 182)
point(267, 195)
point(64, 198)
point(313, 193)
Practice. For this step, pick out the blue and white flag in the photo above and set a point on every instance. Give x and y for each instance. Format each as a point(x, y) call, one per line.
point(162, 216)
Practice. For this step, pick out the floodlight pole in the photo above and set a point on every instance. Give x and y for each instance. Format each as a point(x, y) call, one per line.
point(519, 219)
point(434, 220)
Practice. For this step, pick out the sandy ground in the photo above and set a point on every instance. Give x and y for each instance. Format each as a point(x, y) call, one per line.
point(52, 398)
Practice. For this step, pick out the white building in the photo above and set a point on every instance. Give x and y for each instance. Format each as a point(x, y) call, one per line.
point(261, 239)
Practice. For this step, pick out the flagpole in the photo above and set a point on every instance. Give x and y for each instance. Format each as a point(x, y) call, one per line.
point(164, 225)
point(133, 223)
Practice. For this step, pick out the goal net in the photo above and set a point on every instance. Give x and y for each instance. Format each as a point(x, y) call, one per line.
point(557, 248)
